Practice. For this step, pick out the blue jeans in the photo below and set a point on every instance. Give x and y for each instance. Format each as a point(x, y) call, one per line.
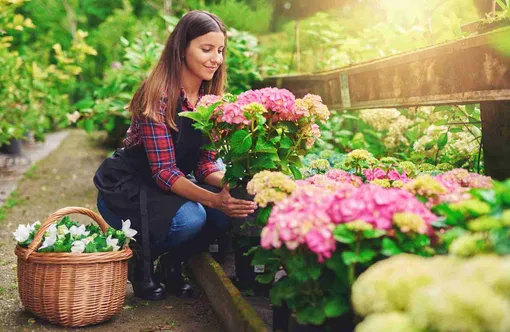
point(189, 220)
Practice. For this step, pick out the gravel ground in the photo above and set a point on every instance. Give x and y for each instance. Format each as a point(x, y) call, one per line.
point(64, 178)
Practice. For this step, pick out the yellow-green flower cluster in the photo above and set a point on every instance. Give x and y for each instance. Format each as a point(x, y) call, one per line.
point(270, 187)
point(385, 183)
point(397, 184)
point(426, 186)
point(410, 168)
point(387, 322)
point(426, 167)
point(441, 294)
point(359, 226)
point(467, 245)
point(254, 108)
point(410, 222)
point(445, 167)
point(379, 118)
point(355, 157)
point(472, 207)
point(320, 165)
point(485, 223)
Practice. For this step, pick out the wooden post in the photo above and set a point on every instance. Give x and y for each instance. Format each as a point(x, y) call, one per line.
point(496, 138)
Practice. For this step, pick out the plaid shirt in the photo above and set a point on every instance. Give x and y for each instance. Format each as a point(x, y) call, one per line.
point(156, 137)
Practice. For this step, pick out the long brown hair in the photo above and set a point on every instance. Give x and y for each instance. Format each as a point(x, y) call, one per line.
point(165, 76)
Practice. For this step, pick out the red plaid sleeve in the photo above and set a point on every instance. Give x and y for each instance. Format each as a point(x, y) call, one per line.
point(159, 147)
point(206, 165)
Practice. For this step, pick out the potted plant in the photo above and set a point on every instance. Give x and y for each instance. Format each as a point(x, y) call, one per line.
point(266, 129)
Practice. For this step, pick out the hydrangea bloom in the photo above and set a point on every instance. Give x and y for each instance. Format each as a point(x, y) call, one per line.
point(377, 206)
point(344, 177)
point(270, 187)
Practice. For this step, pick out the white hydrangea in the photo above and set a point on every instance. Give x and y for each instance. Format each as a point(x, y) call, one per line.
point(396, 132)
point(379, 118)
point(430, 134)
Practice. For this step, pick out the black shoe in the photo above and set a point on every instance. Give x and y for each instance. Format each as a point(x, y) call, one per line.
point(146, 289)
point(170, 272)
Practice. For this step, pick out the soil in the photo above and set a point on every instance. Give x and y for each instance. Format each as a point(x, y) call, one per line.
point(64, 178)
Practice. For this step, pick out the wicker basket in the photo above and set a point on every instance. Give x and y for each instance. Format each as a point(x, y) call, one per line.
point(72, 289)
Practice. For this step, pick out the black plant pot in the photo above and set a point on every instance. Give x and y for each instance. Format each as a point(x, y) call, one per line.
point(12, 148)
point(244, 226)
point(245, 272)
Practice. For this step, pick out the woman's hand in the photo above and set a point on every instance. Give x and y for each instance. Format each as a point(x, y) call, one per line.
point(231, 206)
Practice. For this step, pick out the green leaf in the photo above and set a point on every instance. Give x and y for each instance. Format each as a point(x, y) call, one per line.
point(442, 140)
point(263, 162)
point(241, 142)
point(336, 307)
point(265, 278)
point(311, 314)
point(349, 257)
point(343, 235)
point(195, 116)
point(285, 143)
point(263, 215)
point(442, 108)
point(296, 173)
point(366, 255)
point(389, 247)
point(373, 233)
point(430, 145)
point(336, 264)
point(264, 146)
point(88, 125)
point(238, 170)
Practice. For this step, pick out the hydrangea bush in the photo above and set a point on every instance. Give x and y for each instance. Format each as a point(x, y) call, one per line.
point(70, 236)
point(434, 294)
point(326, 229)
point(266, 129)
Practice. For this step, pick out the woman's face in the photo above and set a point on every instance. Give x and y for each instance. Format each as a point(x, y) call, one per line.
point(204, 55)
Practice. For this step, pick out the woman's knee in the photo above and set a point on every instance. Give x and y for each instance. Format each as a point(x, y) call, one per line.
point(190, 216)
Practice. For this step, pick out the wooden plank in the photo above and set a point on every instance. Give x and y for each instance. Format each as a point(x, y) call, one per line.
point(460, 72)
point(496, 138)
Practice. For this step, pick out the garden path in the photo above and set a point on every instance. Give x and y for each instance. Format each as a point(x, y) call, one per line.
point(64, 178)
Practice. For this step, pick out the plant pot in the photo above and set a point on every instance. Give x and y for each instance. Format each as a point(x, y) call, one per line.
point(220, 246)
point(245, 272)
point(281, 317)
point(13, 147)
point(244, 226)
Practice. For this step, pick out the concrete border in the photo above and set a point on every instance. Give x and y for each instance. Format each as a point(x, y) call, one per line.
point(234, 312)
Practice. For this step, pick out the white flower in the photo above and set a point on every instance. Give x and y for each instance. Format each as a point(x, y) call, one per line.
point(87, 240)
point(49, 241)
point(112, 243)
point(22, 233)
point(52, 230)
point(37, 223)
point(126, 228)
point(78, 231)
point(78, 247)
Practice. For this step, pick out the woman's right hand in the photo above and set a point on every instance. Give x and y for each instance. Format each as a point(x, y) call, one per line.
point(233, 207)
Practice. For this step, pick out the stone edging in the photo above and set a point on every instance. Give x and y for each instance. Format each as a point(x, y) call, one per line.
point(234, 312)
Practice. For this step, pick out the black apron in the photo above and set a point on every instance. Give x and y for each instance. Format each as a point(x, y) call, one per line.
point(129, 191)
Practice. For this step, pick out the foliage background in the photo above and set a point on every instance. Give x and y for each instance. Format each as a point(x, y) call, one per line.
point(108, 48)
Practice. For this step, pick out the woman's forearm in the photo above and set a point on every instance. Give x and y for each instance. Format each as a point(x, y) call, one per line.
point(215, 179)
point(187, 189)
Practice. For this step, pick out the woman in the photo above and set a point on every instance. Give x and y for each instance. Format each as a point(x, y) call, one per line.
point(146, 181)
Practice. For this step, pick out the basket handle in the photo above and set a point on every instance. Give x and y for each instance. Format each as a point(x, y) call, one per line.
point(36, 243)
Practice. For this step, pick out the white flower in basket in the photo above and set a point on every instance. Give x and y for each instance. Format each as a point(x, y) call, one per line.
point(49, 241)
point(78, 231)
point(78, 246)
point(22, 233)
point(112, 243)
point(126, 228)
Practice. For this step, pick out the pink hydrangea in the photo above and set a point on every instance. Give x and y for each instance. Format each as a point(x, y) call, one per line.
point(459, 177)
point(344, 177)
point(376, 206)
point(301, 219)
point(250, 96)
point(233, 114)
point(378, 173)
